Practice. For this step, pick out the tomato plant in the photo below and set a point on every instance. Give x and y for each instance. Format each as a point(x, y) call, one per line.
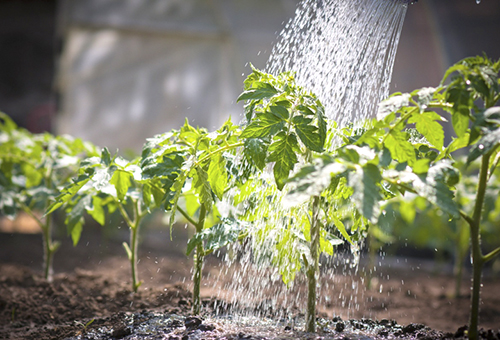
point(34, 167)
point(286, 128)
point(403, 153)
point(189, 170)
point(107, 184)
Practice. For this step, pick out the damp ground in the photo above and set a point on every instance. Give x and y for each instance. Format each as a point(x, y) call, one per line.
point(90, 298)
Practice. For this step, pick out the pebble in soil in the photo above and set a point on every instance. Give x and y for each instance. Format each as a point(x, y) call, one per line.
point(147, 325)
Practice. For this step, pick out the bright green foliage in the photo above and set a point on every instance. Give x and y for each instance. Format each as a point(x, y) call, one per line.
point(191, 170)
point(34, 167)
point(390, 159)
point(283, 122)
point(104, 185)
point(285, 128)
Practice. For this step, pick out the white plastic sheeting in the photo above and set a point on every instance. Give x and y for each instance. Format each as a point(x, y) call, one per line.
point(131, 69)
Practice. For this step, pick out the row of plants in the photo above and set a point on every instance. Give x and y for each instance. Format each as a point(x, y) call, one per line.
point(290, 181)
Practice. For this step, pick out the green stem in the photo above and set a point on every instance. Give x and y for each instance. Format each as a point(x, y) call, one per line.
point(186, 216)
point(48, 248)
point(490, 256)
point(496, 99)
point(313, 268)
point(198, 263)
point(477, 256)
point(133, 258)
point(125, 216)
point(134, 226)
point(222, 149)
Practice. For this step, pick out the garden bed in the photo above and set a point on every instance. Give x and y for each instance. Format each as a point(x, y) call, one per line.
point(92, 283)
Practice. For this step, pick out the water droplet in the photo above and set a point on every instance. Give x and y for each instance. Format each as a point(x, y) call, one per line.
point(478, 2)
point(481, 146)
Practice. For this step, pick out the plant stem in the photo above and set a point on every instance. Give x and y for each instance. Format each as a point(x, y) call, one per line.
point(186, 216)
point(198, 263)
point(48, 249)
point(134, 226)
point(477, 256)
point(490, 256)
point(221, 149)
point(133, 258)
point(313, 268)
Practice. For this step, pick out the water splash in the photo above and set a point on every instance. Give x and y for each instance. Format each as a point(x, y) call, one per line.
point(343, 51)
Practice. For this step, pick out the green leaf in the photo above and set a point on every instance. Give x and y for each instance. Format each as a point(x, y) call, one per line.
point(202, 187)
point(255, 149)
point(76, 232)
point(265, 124)
point(458, 95)
point(97, 211)
point(407, 211)
point(322, 126)
point(457, 144)
point(460, 122)
point(68, 193)
point(401, 150)
point(33, 175)
point(427, 125)
point(485, 145)
point(421, 166)
point(308, 134)
point(279, 111)
point(217, 175)
point(365, 182)
point(121, 181)
point(282, 152)
point(341, 227)
point(105, 157)
point(437, 191)
point(171, 203)
point(260, 91)
point(74, 217)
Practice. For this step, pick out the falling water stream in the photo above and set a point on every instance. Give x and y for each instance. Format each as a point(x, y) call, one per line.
point(343, 51)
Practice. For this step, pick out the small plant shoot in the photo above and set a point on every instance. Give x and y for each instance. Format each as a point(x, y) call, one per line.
point(106, 184)
point(188, 171)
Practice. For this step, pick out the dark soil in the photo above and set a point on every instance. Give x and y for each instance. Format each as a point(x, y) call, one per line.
point(90, 298)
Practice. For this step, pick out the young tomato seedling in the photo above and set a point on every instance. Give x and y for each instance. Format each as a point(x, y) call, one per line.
point(112, 184)
point(192, 170)
point(285, 129)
